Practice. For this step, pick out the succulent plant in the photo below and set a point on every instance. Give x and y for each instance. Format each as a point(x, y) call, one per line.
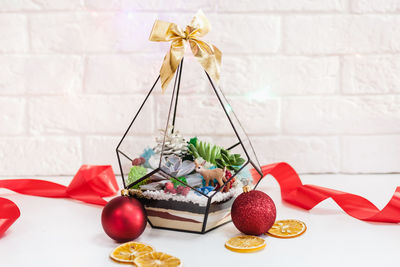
point(215, 155)
point(174, 143)
point(204, 150)
point(230, 161)
point(177, 183)
point(193, 140)
point(174, 166)
point(135, 174)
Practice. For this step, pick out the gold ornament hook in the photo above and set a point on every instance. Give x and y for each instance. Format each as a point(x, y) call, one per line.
point(246, 188)
point(125, 192)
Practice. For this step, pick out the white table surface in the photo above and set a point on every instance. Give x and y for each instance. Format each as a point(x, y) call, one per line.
point(60, 232)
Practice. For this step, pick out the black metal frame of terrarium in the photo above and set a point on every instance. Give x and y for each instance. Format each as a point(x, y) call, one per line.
point(211, 206)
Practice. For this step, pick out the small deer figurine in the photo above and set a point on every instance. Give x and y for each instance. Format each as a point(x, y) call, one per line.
point(210, 175)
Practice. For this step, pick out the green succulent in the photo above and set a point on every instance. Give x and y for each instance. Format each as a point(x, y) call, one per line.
point(214, 154)
point(228, 160)
point(177, 183)
point(135, 174)
point(193, 140)
point(204, 150)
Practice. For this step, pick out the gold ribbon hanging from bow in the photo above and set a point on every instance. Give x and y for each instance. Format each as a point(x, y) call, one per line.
point(208, 55)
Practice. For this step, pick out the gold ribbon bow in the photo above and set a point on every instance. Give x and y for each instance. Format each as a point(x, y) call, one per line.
point(208, 55)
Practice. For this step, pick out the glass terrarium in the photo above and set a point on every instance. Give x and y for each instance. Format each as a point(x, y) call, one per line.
point(185, 155)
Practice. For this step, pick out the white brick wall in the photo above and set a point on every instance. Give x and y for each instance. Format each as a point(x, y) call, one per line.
point(315, 83)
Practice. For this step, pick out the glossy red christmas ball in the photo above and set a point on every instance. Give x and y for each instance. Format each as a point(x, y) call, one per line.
point(123, 218)
point(253, 212)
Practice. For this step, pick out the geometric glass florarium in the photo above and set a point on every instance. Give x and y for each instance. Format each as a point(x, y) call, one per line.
point(167, 172)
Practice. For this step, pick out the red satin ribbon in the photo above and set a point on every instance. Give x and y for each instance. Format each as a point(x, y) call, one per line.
point(308, 196)
point(90, 185)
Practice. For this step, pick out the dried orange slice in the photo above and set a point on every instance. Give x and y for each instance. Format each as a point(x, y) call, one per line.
point(245, 243)
point(157, 259)
point(127, 252)
point(287, 229)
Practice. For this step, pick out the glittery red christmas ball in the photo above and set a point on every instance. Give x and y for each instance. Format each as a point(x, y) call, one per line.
point(123, 219)
point(253, 212)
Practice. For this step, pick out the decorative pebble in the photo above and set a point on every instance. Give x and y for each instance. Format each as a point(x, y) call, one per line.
point(205, 190)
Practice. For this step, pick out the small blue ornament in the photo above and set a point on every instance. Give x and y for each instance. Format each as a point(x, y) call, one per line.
point(205, 190)
point(147, 153)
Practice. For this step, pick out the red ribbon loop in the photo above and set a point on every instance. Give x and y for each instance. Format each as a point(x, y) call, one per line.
point(90, 185)
point(9, 213)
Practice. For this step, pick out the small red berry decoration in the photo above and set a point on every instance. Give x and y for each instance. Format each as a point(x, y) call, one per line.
point(228, 186)
point(181, 190)
point(169, 187)
point(138, 161)
point(185, 191)
point(253, 212)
